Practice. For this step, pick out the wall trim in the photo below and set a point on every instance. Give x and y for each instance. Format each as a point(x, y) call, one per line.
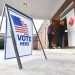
point(63, 7)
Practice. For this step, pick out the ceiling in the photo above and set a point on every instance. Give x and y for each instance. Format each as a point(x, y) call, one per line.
point(37, 9)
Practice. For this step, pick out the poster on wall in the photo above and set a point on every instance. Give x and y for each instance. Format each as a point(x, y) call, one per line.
point(22, 28)
point(71, 28)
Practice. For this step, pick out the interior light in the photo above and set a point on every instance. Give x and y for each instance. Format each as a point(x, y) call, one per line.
point(25, 4)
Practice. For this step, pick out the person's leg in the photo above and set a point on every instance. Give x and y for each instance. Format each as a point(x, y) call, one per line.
point(50, 40)
point(59, 41)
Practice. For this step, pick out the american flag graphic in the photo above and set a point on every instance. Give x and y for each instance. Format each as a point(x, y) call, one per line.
point(19, 25)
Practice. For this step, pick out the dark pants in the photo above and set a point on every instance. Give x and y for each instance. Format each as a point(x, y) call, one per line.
point(59, 40)
point(50, 36)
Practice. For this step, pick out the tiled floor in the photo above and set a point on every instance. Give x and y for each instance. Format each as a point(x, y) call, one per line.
point(59, 62)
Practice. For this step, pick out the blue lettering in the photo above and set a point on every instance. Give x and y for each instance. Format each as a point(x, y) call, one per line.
point(24, 43)
point(19, 37)
point(24, 38)
point(27, 43)
point(29, 38)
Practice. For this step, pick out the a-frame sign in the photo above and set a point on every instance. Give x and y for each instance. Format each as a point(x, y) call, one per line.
point(19, 34)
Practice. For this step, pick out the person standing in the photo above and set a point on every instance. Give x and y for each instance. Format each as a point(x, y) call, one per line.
point(50, 34)
point(60, 34)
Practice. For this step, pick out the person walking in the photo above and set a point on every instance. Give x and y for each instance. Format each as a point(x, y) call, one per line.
point(50, 34)
point(60, 34)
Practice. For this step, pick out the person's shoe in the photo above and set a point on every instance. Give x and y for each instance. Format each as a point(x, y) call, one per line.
point(58, 47)
point(54, 47)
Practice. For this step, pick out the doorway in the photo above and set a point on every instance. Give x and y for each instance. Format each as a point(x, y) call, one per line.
point(65, 37)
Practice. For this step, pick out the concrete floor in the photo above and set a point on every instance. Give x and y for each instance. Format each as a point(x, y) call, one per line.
point(59, 62)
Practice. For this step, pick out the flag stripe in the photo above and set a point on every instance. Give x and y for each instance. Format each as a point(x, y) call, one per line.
point(22, 29)
point(26, 33)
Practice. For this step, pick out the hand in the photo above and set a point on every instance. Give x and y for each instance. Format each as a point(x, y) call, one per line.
point(52, 32)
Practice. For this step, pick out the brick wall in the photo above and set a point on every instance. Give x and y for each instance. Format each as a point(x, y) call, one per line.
point(35, 42)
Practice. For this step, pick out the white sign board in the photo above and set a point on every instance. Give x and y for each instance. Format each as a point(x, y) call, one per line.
point(22, 27)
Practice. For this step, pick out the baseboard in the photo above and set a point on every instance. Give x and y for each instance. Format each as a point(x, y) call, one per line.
point(69, 47)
